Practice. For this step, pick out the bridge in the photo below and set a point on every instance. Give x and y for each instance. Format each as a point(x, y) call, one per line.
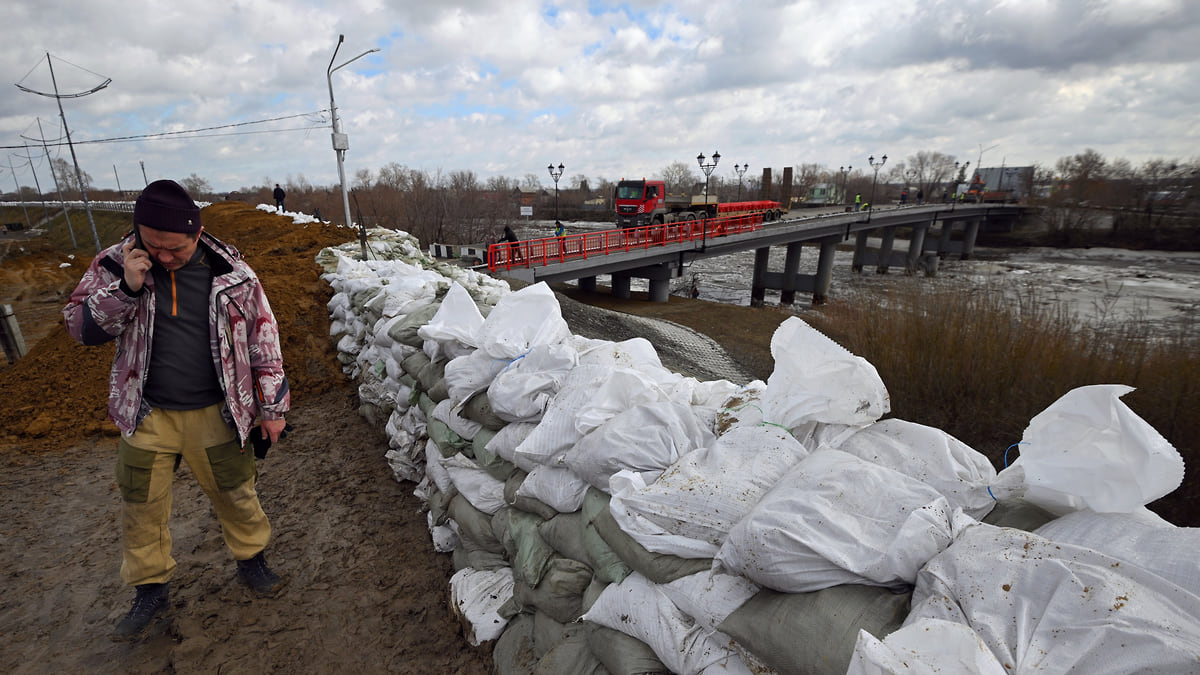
point(659, 253)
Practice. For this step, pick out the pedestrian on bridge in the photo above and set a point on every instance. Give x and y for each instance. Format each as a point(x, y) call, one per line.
point(858, 201)
point(514, 249)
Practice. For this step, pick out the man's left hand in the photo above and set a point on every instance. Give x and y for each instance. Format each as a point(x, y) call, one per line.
point(273, 428)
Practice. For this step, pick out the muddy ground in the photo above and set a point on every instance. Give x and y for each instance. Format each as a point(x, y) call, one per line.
point(366, 592)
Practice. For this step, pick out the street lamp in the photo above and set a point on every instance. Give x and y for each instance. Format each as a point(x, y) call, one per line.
point(909, 175)
point(555, 173)
point(741, 171)
point(341, 142)
point(876, 166)
point(707, 168)
point(845, 171)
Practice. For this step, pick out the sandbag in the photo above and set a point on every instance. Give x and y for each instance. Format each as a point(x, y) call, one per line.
point(657, 567)
point(475, 597)
point(804, 633)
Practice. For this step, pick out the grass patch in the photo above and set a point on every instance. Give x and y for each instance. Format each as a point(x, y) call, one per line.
point(980, 365)
point(110, 226)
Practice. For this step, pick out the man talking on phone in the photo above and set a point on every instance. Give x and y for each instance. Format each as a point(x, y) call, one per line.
point(198, 362)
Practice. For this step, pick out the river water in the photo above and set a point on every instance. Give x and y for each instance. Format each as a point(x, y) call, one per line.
point(1099, 285)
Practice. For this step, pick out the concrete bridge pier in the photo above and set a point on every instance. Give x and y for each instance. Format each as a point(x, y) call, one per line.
point(885, 250)
point(791, 267)
point(969, 233)
point(916, 245)
point(824, 270)
point(587, 284)
point(620, 286)
point(758, 283)
point(860, 250)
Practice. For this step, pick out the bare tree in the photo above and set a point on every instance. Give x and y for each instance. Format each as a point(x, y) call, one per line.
point(678, 177)
point(68, 180)
point(196, 186)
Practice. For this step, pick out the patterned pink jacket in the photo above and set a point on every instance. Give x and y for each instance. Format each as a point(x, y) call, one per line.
point(243, 336)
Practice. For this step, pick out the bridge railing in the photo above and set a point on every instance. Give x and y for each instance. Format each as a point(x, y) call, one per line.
point(540, 252)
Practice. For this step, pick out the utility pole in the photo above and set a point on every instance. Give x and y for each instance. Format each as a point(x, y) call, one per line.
point(78, 173)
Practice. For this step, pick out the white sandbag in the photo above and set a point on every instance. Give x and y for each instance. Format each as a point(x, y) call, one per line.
point(638, 608)
point(705, 493)
point(817, 380)
point(1048, 607)
point(635, 353)
point(927, 647)
point(522, 320)
point(445, 540)
point(704, 398)
point(645, 437)
point(1089, 450)
point(504, 443)
point(556, 486)
point(470, 373)
point(622, 390)
point(836, 519)
point(931, 456)
point(483, 492)
point(709, 597)
point(556, 433)
point(447, 413)
point(742, 408)
point(434, 467)
point(457, 320)
point(476, 597)
point(522, 389)
point(1140, 538)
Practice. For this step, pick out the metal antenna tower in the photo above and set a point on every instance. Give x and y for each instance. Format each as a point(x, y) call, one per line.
point(58, 98)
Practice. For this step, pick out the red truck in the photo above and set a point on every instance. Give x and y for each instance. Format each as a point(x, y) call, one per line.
point(646, 202)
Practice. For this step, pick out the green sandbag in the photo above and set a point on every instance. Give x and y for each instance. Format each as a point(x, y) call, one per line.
point(803, 633)
point(1018, 514)
point(560, 592)
point(532, 554)
point(564, 533)
point(622, 654)
point(474, 526)
point(448, 442)
point(661, 568)
point(478, 408)
point(413, 364)
point(405, 330)
point(432, 379)
point(570, 655)
point(497, 467)
point(513, 653)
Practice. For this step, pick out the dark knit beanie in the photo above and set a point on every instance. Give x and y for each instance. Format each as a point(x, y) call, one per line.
point(165, 205)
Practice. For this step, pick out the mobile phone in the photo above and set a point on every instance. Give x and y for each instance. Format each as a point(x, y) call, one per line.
point(137, 238)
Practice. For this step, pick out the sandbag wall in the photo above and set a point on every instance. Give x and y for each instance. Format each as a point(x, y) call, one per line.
point(606, 515)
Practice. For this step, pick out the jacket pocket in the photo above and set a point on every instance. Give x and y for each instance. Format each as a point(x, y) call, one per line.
point(230, 465)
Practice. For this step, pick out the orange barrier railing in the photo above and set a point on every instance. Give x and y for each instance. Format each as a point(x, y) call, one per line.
point(540, 252)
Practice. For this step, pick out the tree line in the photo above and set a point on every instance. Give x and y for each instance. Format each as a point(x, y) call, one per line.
point(458, 207)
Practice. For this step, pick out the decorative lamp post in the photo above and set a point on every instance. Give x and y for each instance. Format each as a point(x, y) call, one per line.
point(555, 173)
point(876, 166)
point(741, 171)
point(909, 175)
point(845, 171)
point(341, 142)
point(707, 168)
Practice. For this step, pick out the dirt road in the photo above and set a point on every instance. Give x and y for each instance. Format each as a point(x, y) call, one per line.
point(366, 592)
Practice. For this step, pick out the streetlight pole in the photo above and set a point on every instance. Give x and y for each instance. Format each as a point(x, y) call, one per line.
point(555, 173)
point(876, 166)
point(741, 171)
point(707, 168)
point(341, 142)
point(845, 171)
point(909, 175)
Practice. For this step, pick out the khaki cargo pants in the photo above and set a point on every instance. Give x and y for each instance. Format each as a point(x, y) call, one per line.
point(146, 465)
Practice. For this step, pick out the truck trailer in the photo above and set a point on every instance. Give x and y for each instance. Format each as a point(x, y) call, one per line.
point(646, 202)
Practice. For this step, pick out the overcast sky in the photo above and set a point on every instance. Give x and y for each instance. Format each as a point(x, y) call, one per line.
point(608, 89)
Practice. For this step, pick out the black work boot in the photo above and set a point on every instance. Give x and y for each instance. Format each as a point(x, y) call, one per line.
point(255, 574)
point(151, 600)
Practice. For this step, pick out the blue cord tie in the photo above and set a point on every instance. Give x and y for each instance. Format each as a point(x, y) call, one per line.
point(1005, 465)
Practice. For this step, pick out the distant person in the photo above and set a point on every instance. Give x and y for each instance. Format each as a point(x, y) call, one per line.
point(561, 232)
point(514, 249)
point(279, 194)
point(945, 195)
point(858, 201)
point(197, 362)
point(903, 197)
